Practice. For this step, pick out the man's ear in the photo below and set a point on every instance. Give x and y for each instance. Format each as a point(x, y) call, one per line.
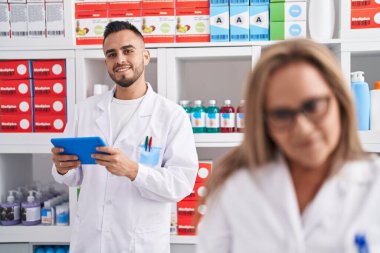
point(146, 54)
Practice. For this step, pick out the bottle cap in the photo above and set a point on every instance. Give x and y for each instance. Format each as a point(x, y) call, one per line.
point(357, 76)
point(184, 102)
point(212, 102)
point(11, 198)
point(198, 102)
point(30, 198)
point(227, 102)
point(376, 85)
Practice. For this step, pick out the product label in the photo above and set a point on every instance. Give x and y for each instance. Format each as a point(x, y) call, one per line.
point(365, 18)
point(11, 88)
point(157, 4)
point(192, 3)
point(363, 4)
point(130, 12)
point(10, 213)
point(227, 120)
point(47, 217)
point(240, 120)
point(219, 23)
point(49, 88)
point(193, 25)
point(44, 124)
point(5, 26)
point(158, 26)
point(19, 20)
point(239, 23)
point(49, 106)
point(49, 69)
point(55, 26)
point(36, 19)
point(259, 22)
point(10, 106)
point(16, 123)
point(31, 213)
point(198, 119)
point(212, 120)
point(15, 69)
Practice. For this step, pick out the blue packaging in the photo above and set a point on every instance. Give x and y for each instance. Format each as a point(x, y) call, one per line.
point(259, 22)
point(239, 23)
point(257, 2)
point(218, 3)
point(239, 2)
point(219, 24)
point(362, 100)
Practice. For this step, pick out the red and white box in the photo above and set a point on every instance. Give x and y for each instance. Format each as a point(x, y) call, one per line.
point(16, 123)
point(90, 22)
point(198, 192)
point(192, 3)
point(365, 18)
point(193, 25)
point(49, 88)
point(49, 69)
point(51, 124)
point(11, 106)
point(204, 171)
point(158, 4)
point(186, 212)
point(16, 88)
point(19, 20)
point(5, 26)
point(158, 26)
point(15, 69)
point(55, 26)
point(126, 11)
point(49, 106)
point(363, 4)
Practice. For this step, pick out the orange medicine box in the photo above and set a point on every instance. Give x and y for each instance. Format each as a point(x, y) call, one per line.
point(157, 4)
point(16, 88)
point(192, 3)
point(126, 11)
point(90, 22)
point(17, 69)
point(158, 26)
point(16, 123)
point(49, 106)
point(11, 106)
point(193, 25)
point(204, 171)
point(49, 88)
point(198, 191)
point(363, 4)
point(49, 123)
point(365, 18)
point(49, 69)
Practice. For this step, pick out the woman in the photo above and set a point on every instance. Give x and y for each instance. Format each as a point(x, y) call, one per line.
point(300, 181)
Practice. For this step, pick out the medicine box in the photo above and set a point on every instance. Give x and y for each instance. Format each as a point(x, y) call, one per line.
point(219, 24)
point(287, 30)
point(16, 88)
point(259, 22)
point(193, 25)
point(158, 25)
point(49, 69)
point(287, 11)
point(239, 23)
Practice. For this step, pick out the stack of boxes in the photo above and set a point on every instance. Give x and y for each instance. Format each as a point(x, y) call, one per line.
point(31, 18)
point(33, 96)
point(365, 14)
point(188, 208)
point(16, 85)
point(287, 19)
point(49, 95)
point(259, 20)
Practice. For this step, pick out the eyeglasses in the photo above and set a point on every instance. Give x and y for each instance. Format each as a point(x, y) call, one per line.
point(284, 119)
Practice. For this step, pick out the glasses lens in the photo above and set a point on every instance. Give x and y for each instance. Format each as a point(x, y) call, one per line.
point(314, 109)
point(281, 118)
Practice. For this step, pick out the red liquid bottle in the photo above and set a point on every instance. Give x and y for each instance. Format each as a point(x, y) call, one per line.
point(240, 117)
point(227, 118)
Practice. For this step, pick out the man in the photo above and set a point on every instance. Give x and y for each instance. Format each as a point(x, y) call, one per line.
point(151, 160)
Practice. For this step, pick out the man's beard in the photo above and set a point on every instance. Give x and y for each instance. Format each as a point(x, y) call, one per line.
point(126, 82)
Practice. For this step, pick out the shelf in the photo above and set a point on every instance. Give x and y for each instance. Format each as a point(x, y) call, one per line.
point(50, 234)
point(26, 142)
point(58, 234)
point(218, 140)
point(370, 140)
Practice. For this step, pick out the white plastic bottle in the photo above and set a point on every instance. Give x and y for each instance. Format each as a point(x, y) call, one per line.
point(375, 107)
point(321, 19)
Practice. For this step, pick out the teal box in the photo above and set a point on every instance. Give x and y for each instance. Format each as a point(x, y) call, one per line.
point(259, 22)
point(219, 24)
point(239, 23)
point(255, 2)
point(219, 2)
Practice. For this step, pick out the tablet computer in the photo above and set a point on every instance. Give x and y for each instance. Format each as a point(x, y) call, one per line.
point(82, 147)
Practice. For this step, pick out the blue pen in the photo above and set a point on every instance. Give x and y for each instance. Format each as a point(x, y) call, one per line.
point(361, 243)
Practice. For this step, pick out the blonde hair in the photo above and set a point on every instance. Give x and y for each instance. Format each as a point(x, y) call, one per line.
point(257, 148)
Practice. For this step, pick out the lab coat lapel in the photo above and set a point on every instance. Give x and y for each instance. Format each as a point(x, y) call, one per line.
point(135, 128)
point(103, 120)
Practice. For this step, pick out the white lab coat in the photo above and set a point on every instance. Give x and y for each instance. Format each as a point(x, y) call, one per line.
point(115, 214)
point(258, 212)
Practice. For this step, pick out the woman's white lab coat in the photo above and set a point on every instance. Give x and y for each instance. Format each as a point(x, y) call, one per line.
point(115, 214)
point(259, 213)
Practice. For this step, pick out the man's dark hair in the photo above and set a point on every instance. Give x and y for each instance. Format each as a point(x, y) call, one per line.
point(116, 26)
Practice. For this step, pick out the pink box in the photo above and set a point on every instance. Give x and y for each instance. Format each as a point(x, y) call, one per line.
point(16, 123)
point(49, 69)
point(15, 69)
point(51, 124)
point(16, 88)
point(49, 106)
point(11, 106)
point(49, 88)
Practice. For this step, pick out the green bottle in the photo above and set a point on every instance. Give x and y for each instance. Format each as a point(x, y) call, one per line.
point(198, 117)
point(212, 117)
point(186, 106)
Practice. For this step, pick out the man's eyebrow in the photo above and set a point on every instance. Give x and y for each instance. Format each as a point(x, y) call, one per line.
point(127, 47)
point(110, 51)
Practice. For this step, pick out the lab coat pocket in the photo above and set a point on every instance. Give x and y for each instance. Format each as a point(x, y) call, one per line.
point(150, 157)
point(152, 239)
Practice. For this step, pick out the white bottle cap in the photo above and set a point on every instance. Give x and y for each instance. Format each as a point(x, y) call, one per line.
point(184, 102)
point(212, 102)
point(357, 76)
point(227, 102)
point(198, 102)
point(11, 198)
point(30, 198)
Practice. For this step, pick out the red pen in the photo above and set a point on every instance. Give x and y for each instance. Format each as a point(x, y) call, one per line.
point(150, 143)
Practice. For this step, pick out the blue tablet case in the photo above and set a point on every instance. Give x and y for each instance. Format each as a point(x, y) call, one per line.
point(83, 147)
